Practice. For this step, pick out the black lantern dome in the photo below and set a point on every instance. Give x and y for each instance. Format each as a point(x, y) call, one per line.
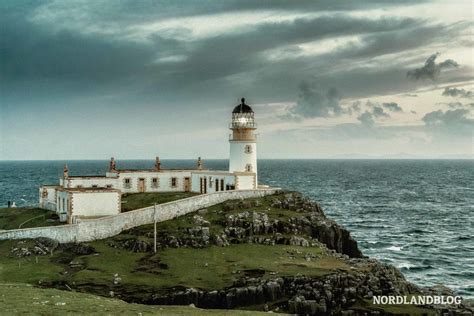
point(242, 108)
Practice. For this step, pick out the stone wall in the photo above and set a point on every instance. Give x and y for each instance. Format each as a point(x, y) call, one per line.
point(88, 230)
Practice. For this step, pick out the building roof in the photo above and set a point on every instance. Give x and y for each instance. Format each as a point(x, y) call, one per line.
point(86, 176)
point(88, 190)
point(242, 108)
point(162, 170)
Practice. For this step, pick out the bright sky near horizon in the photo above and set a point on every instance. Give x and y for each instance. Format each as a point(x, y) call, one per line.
point(89, 79)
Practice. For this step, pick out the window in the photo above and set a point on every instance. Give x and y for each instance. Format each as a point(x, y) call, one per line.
point(127, 183)
point(78, 186)
point(109, 186)
point(174, 182)
point(222, 184)
point(248, 167)
point(154, 182)
point(94, 185)
point(248, 149)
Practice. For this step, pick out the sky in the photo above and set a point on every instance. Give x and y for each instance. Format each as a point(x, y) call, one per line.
point(133, 79)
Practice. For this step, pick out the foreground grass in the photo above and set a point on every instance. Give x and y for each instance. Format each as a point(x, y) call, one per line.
point(412, 310)
point(145, 274)
point(208, 268)
point(23, 299)
point(140, 200)
point(12, 218)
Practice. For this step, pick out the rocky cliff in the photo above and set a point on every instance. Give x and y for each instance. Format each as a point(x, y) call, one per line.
point(278, 253)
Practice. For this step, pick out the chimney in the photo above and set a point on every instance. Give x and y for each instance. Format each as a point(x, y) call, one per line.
point(199, 164)
point(157, 164)
point(65, 172)
point(112, 165)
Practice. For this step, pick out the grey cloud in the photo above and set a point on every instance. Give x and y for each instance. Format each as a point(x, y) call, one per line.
point(392, 106)
point(355, 107)
point(455, 92)
point(236, 61)
point(374, 112)
point(431, 69)
point(455, 105)
point(378, 112)
point(315, 103)
point(450, 122)
point(366, 119)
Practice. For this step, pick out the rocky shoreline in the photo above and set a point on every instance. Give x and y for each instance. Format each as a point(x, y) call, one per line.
point(300, 223)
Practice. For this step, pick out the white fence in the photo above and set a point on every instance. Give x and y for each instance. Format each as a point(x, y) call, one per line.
point(108, 226)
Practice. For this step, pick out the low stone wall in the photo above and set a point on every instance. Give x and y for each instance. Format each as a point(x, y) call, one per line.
point(88, 230)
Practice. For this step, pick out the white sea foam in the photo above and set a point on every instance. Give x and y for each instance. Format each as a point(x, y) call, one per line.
point(405, 265)
point(394, 248)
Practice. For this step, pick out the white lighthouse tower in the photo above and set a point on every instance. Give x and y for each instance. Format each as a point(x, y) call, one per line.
point(243, 141)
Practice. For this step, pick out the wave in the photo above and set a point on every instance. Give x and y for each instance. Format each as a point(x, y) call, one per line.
point(394, 248)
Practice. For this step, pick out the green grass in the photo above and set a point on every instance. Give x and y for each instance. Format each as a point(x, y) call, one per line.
point(27, 269)
point(411, 310)
point(140, 200)
point(145, 273)
point(23, 299)
point(187, 267)
point(12, 218)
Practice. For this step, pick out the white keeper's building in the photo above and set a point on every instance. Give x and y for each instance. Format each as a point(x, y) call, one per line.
point(79, 197)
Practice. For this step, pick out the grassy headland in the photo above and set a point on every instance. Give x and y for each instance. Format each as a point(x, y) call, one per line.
point(266, 245)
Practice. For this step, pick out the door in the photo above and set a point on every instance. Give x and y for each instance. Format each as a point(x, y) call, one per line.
point(203, 184)
point(187, 184)
point(141, 185)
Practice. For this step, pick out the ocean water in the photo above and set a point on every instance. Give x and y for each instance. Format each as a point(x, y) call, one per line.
point(415, 214)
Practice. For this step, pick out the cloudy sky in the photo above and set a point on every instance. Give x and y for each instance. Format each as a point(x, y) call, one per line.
point(136, 79)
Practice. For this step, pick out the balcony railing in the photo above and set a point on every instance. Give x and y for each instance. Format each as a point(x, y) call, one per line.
point(240, 124)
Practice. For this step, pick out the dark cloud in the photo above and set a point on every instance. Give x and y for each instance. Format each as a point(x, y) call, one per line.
point(355, 107)
point(454, 105)
point(392, 106)
point(378, 112)
point(312, 102)
point(455, 92)
point(224, 65)
point(366, 119)
point(431, 69)
point(450, 122)
point(374, 111)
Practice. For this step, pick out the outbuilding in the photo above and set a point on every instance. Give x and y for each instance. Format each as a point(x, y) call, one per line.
point(73, 204)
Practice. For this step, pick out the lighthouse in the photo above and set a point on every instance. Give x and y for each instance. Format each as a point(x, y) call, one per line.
point(243, 141)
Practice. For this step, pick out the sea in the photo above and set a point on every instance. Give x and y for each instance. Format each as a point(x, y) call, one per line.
point(417, 215)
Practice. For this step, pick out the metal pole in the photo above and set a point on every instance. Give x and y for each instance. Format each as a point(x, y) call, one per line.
point(154, 219)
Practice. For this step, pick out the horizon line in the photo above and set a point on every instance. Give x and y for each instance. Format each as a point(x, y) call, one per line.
point(190, 159)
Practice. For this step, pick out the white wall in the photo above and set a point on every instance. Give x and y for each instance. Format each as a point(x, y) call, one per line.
point(62, 205)
point(211, 176)
point(239, 158)
point(164, 180)
point(245, 182)
point(88, 182)
point(108, 226)
point(100, 203)
point(49, 201)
